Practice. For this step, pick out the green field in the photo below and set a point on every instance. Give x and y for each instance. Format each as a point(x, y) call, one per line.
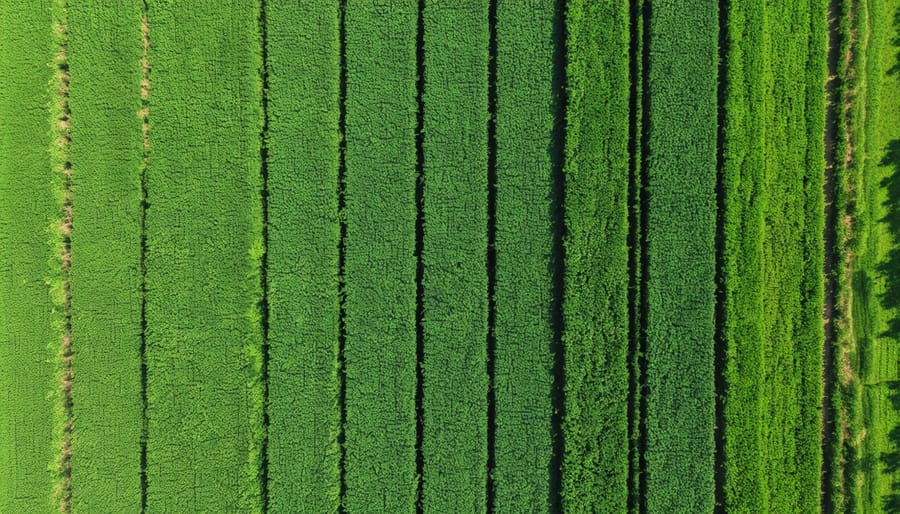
point(29, 341)
point(302, 150)
point(523, 238)
point(379, 191)
point(871, 449)
point(773, 270)
point(597, 266)
point(477, 256)
point(792, 253)
point(107, 162)
point(203, 253)
point(454, 256)
point(747, 80)
point(680, 179)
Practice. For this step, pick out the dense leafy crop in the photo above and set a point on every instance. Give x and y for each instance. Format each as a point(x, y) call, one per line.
point(380, 263)
point(773, 157)
point(28, 339)
point(792, 283)
point(597, 300)
point(748, 78)
point(105, 51)
point(526, 104)
point(681, 224)
point(454, 256)
point(204, 245)
point(303, 237)
point(383, 284)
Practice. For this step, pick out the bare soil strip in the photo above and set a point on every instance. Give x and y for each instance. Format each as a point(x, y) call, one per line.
point(63, 142)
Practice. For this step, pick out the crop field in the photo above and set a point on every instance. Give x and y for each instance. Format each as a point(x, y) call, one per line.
point(490, 256)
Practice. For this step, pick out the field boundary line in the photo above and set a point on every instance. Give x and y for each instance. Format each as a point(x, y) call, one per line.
point(61, 120)
point(419, 247)
point(644, 212)
point(558, 254)
point(491, 257)
point(833, 87)
point(264, 258)
point(342, 203)
point(634, 253)
point(145, 165)
point(721, 312)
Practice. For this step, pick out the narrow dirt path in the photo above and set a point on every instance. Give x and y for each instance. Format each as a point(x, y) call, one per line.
point(62, 142)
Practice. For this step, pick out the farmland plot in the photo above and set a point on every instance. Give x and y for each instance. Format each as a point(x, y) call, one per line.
point(494, 256)
point(106, 154)
point(29, 341)
point(204, 247)
point(380, 256)
point(302, 149)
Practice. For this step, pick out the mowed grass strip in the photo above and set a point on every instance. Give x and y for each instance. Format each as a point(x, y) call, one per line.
point(793, 253)
point(380, 260)
point(455, 256)
point(106, 153)
point(749, 80)
point(303, 63)
point(681, 226)
point(29, 342)
point(204, 246)
point(595, 473)
point(526, 104)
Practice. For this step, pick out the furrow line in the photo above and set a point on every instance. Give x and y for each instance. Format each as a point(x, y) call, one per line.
point(145, 164)
point(60, 152)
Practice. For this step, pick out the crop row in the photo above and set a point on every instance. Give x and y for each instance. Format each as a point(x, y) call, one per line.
point(597, 257)
point(380, 256)
point(106, 156)
point(773, 161)
point(29, 340)
point(203, 253)
point(454, 256)
point(302, 159)
point(527, 219)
